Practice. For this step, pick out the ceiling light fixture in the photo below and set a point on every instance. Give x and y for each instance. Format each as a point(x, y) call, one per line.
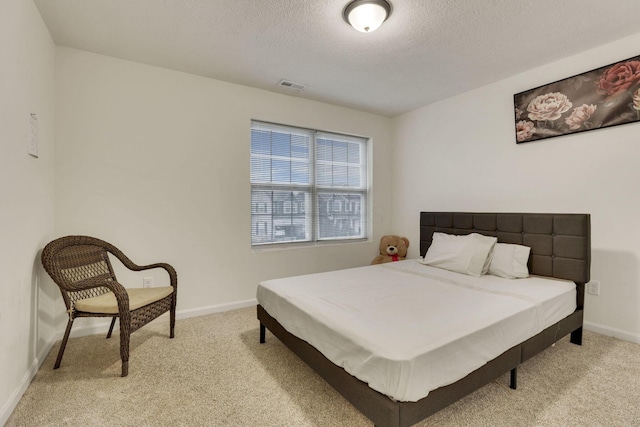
point(366, 15)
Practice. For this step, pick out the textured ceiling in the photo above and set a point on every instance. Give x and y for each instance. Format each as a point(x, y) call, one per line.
point(426, 51)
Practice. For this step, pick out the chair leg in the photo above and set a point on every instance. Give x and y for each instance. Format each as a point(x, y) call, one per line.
point(172, 321)
point(124, 350)
point(125, 334)
point(63, 345)
point(113, 322)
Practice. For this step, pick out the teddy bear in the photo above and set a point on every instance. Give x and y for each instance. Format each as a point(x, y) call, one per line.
point(392, 248)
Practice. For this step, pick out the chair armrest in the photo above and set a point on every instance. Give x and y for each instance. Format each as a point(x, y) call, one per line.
point(122, 298)
point(173, 276)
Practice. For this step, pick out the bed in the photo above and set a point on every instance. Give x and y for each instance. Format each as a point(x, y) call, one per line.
point(560, 249)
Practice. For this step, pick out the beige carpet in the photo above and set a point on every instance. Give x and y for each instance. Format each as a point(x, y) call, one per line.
point(215, 373)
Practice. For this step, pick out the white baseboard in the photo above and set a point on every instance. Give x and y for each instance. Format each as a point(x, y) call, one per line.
point(102, 328)
point(184, 314)
point(612, 332)
point(11, 404)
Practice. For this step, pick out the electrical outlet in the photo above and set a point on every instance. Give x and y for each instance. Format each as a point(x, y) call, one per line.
point(147, 282)
point(593, 287)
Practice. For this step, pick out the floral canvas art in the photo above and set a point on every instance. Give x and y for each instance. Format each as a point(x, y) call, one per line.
point(607, 96)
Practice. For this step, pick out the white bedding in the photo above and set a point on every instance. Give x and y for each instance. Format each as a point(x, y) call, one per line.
point(406, 328)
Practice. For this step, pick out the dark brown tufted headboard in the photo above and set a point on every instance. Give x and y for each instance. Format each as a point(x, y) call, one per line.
point(560, 243)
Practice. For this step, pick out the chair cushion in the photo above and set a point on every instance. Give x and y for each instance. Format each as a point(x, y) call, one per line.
point(138, 297)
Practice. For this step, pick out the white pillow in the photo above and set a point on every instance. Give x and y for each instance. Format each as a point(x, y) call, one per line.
point(467, 254)
point(510, 261)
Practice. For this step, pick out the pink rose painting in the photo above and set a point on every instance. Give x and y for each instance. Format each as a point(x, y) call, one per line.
point(600, 98)
point(619, 77)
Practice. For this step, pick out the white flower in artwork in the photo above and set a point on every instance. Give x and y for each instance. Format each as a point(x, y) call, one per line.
point(549, 106)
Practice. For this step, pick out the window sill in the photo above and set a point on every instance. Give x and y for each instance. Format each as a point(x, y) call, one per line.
point(305, 245)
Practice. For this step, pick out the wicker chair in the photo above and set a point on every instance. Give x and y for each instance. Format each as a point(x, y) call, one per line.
point(80, 266)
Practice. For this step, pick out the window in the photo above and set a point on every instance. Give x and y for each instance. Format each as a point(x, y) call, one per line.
point(306, 185)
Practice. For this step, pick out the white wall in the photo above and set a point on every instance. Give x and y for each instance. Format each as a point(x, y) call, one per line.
point(26, 197)
point(460, 154)
point(157, 162)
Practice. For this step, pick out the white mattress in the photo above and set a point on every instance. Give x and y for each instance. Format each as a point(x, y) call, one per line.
point(406, 328)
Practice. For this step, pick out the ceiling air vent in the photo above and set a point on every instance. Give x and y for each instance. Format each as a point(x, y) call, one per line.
point(291, 85)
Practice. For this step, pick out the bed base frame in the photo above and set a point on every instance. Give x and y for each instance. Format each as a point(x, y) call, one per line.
point(560, 247)
point(385, 412)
